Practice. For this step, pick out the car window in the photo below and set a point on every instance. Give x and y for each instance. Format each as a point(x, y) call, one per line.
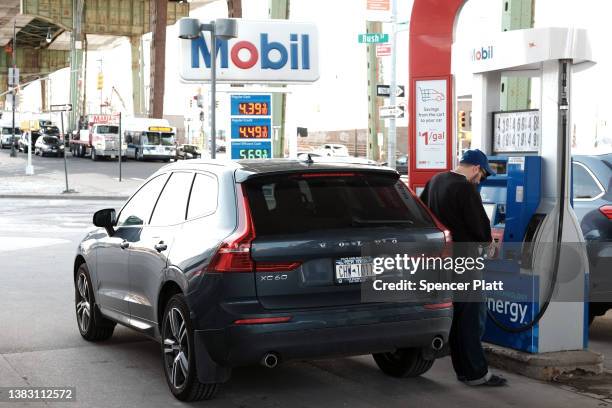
point(281, 204)
point(137, 211)
point(584, 185)
point(172, 204)
point(203, 199)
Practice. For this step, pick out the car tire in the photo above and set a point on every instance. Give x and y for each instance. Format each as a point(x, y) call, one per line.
point(91, 324)
point(177, 340)
point(403, 363)
point(94, 157)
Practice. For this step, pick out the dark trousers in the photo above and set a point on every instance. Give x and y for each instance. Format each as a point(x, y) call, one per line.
point(466, 349)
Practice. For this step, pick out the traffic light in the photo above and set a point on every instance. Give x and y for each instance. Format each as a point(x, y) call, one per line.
point(200, 99)
point(201, 116)
point(462, 120)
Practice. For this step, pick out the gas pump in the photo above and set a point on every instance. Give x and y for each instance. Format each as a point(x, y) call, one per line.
point(538, 239)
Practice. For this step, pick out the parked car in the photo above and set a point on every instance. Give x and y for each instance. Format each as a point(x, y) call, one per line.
point(27, 140)
point(6, 136)
point(188, 151)
point(592, 197)
point(49, 145)
point(238, 263)
point(332, 149)
point(401, 164)
point(303, 156)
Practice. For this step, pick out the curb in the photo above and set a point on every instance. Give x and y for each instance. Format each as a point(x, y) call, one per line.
point(61, 196)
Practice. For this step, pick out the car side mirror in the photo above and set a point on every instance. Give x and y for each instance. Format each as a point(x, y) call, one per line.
point(106, 219)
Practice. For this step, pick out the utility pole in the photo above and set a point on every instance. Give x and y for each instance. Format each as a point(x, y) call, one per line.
point(100, 82)
point(373, 100)
point(391, 142)
point(12, 81)
point(279, 9)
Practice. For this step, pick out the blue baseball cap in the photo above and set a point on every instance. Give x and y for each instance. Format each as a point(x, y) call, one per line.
point(477, 158)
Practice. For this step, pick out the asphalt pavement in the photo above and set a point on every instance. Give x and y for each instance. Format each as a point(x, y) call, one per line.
point(40, 344)
point(86, 178)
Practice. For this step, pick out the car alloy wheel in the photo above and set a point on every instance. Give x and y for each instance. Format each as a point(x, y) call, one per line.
point(83, 304)
point(92, 325)
point(176, 348)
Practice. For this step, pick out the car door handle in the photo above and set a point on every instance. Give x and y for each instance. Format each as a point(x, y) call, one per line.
point(124, 245)
point(160, 246)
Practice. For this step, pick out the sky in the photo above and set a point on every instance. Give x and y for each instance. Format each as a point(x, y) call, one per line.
point(338, 100)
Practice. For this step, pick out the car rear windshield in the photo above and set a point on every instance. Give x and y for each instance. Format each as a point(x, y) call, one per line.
point(9, 131)
point(107, 129)
point(315, 202)
point(51, 140)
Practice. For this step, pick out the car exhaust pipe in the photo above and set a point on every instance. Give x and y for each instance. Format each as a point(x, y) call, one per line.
point(269, 360)
point(437, 343)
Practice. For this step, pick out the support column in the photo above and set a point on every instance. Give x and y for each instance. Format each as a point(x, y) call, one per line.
point(279, 9)
point(373, 100)
point(43, 95)
point(137, 76)
point(234, 8)
point(515, 91)
point(76, 63)
point(159, 17)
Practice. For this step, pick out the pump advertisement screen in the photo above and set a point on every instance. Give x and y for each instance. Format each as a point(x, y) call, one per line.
point(431, 129)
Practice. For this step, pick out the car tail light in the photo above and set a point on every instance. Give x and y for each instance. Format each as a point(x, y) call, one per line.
point(438, 306)
point(607, 211)
point(234, 254)
point(448, 237)
point(315, 175)
point(264, 320)
point(276, 266)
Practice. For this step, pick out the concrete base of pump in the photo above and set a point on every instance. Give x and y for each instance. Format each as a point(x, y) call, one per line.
point(544, 366)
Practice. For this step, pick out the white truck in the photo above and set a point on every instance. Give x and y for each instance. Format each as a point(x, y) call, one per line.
point(100, 139)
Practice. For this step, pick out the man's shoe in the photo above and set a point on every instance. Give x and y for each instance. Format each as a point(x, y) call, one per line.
point(495, 381)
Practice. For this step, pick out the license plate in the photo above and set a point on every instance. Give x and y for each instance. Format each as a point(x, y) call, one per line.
point(112, 156)
point(354, 269)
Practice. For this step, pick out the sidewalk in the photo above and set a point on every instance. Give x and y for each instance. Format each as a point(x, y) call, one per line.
point(52, 184)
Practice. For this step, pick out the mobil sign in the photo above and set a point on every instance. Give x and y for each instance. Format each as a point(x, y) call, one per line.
point(264, 52)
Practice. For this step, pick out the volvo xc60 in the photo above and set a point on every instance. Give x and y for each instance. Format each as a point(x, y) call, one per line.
point(228, 264)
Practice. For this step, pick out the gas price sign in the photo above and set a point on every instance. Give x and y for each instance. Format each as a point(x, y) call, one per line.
point(251, 105)
point(252, 150)
point(251, 126)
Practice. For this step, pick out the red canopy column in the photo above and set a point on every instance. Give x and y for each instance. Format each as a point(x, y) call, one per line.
point(431, 37)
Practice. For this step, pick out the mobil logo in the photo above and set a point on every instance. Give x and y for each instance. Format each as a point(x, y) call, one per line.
point(264, 52)
point(483, 53)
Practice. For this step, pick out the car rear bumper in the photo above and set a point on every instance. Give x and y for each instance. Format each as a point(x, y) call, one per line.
point(325, 334)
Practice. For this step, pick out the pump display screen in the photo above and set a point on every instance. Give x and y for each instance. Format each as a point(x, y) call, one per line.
point(490, 210)
point(499, 167)
point(516, 131)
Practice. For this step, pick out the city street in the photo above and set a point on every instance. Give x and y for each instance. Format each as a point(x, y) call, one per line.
point(40, 344)
point(76, 165)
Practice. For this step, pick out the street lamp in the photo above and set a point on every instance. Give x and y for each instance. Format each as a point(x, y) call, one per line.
point(223, 28)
